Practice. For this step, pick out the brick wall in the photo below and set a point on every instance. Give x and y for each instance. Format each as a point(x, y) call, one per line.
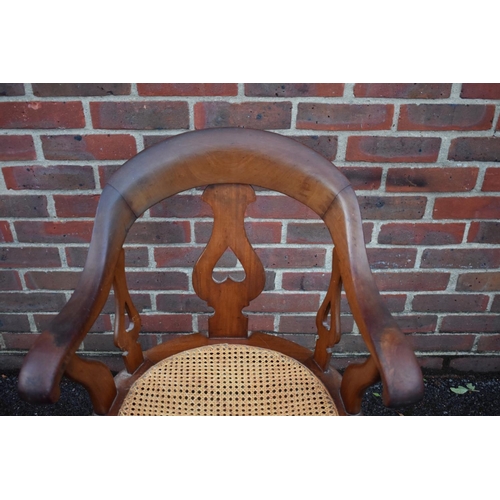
point(423, 158)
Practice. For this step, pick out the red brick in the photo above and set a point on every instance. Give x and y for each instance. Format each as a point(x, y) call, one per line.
point(257, 232)
point(41, 115)
point(461, 258)
point(100, 342)
point(9, 280)
point(422, 233)
point(307, 324)
point(106, 171)
point(430, 363)
point(491, 180)
point(315, 232)
point(306, 282)
point(31, 302)
point(476, 363)
point(471, 323)
point(393, 149)
point(80, 89)
point(187, 257)
point(325, 145)
point(403, 90)
point(391, 258)
point(73, 205)
point(16, 148)
point(142, 115)
point(427, 343)
point(284, 302)
point(475, 149)
point(392, 207)
point(181, 303)
point(394, 302)
point(52, 177)
point(155, 232)
point(23, 206)
point(477, 207)
point(423, 323)
point(11, 89)
point(88, 147)
point(363, 177)
point(260, 323)
point(294, 89)
point(479, 282)
point(142, 302)
point(459, 303)
point(279, 207)
point(102, 323)
point(437, 179)
point(5, 232)
point(411, 281)
point(161, 323)
point(161, 280)
point(317, 116)
point(19, 341)
point(54, 232)
point(445, 117)
point(351, 343)
point(19, 257)
point(291, 257)
point(257, 115)
point(495, 307)
point(484, 232)
point(480, 91)
point(187, 89)
point(182, 206)
point(489, 343)
point(14, 323)
point(151, 140)
point(134, 256)
point(52, 280)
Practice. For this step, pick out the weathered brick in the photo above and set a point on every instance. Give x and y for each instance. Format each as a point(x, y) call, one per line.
point(41, 115)
point(162, 323)
point(152, 280)
point(181, 303)
point(187, 89)
point(315, 232)
point(141, 115)
point(445, 117)
point(437, 179)
point(307, 324)
point(257, 232)
point(14, 323)
point(156, 232)
point(19, 341)
point(72, 205)
point(89, 147)
point(53, 177)
point(80, 89)
point(448, 302)
point(461, 258)
point(488, 343)
point(495, 306)
point(141, 301)
point(20, 257)
point(54, 232)
point(291, 257)
point(151, 140)
point(417, 323)
point(411, 281)
point(491, 179)
point(102, 324)
point(181, 206)
point(319, 116)
point(474, 207)
point(178, 256)
point(363, 177)
point(393, 149)
point(279, 207)
point(476, 363)
point(257, 115)
point(23, 206)
point(306, 282)
point(11, 89)
point(52, 280)
point(31, 302)
point(105, 342)
point(284, 302)
point(487, 323)
point(294, 89)
point(431, 362)
point(484, 232)
point(429, 343)
point(5, 232)
point(392, 207)
point(134, 256)
point(391, 258)
point(9, 280)
point(325, 145)
point(350, 343)
point(480, 91)
point(403, 90)
point(17, 148)
point(475, 149)
point(260, 323)
point(422, 233)
point(479, 282)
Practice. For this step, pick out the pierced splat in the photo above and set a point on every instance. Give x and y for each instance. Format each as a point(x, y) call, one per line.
point(228, 298)
point(127, 319)
point(328, 318)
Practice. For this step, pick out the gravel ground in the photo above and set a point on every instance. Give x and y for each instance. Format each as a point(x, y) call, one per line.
point(481, 397)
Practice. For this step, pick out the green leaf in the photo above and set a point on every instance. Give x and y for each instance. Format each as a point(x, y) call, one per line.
point(459, 390)
point(376, 394)
point(471, 387)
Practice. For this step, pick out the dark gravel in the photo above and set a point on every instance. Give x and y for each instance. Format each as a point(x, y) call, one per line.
point(438, 399)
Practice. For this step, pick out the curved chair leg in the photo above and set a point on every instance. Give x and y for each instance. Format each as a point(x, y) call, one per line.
point(357, 378)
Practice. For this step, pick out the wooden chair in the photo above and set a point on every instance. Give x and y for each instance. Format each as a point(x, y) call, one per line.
point(228, 371)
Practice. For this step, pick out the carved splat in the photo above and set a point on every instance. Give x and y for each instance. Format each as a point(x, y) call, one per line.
point(127, 319)
point(329, 334)
point(228, 298)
